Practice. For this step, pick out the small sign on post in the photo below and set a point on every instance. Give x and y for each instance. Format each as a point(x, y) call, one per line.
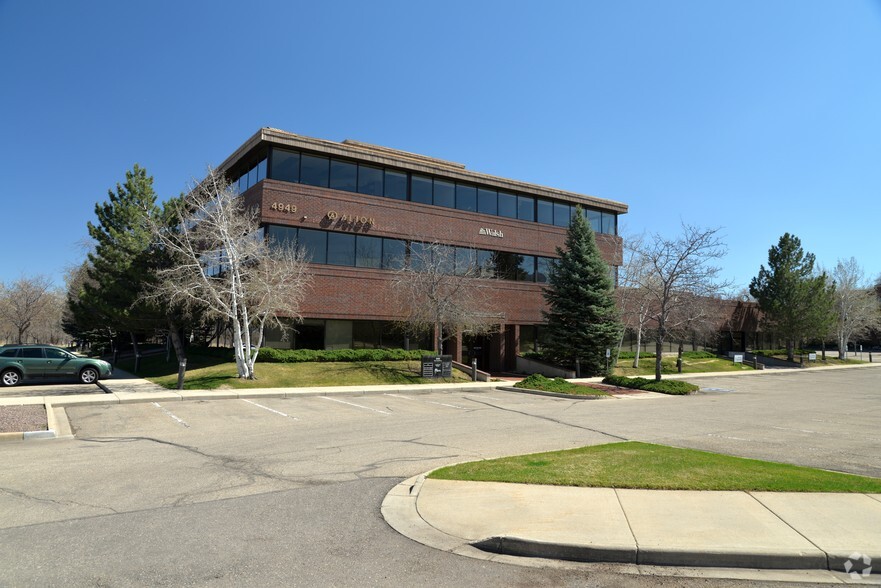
point(812, 357)
point(437, 366)
point(738, 358)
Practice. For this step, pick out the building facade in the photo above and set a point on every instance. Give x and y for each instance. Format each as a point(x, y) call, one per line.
point(358, 209)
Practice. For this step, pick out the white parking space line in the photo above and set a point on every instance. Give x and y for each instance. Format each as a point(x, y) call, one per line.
point(428, 401)
point(272, 410)
point(357, 405)
point(169, 413)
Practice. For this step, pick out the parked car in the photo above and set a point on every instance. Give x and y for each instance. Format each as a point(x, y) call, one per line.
point(29, 362)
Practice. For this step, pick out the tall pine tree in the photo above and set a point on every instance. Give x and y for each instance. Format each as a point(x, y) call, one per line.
point(796, 302)
point(582, 320)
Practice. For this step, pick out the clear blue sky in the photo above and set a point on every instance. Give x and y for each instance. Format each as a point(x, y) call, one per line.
point(760, 117)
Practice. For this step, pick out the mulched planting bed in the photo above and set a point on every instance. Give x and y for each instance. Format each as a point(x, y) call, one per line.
point(612, 389)
point(18, 419)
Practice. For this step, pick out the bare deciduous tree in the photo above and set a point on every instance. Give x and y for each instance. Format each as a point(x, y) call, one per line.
point(438, 292)
point(22, 303)
point(223, 265)
point(857, 309)
point(680, 271)
point(633, 300)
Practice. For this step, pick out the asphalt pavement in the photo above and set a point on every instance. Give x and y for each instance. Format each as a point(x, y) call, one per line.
point(287, 489)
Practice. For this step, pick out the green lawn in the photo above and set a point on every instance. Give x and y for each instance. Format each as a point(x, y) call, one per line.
point(831, 359)
point(668, 366)
point(207, 373)
point(643, 465)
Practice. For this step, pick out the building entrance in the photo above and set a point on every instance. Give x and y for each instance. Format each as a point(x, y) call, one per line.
point(476, 346)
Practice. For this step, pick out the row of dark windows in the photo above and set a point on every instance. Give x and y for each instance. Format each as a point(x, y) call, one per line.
point(338, 174)
point(346, 249)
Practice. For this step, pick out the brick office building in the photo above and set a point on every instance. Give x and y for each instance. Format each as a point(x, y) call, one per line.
point(357, 208)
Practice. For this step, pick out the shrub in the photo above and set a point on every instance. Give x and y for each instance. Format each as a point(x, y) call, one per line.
point(670, 387)
point(663, 386)
point(271, 355)
point(632, 355)
point(770, 352)
point(539, 382)
point(698, 355)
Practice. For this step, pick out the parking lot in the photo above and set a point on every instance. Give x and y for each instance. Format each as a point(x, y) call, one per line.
point(275, 476)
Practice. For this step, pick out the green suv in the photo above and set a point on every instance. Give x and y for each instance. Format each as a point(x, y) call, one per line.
point(27, 362)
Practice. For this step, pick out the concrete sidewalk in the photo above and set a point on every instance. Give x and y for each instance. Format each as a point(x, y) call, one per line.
point(818, 537)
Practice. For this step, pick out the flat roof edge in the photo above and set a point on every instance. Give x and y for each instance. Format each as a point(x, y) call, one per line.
point(411, 162)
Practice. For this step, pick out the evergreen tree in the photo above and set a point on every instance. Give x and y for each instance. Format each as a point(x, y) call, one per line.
point(118, 268)
point(796, 302)
point(582, 318)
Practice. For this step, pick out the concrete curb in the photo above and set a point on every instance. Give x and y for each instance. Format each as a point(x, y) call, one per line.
point(52, 426)
point(401, 512)
point(556, 394)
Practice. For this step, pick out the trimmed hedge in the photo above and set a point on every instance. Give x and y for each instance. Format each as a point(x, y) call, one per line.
point(632, 354)
point(272, 355)
point(539, 382)
point(770, 352)
point(699, 355)
point(676, 387)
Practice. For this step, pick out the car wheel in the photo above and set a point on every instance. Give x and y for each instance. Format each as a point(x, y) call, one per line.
point(10, 378)
point(89, 375)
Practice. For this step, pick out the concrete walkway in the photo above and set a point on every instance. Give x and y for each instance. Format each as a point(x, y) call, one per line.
point(826, 534)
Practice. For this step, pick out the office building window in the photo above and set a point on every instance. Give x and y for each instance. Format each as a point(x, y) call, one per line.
point(444, 194)
point(421, 189)
point(314, 170)
point(343, 175)
point(368, 251)
point(395, 185)
point(466, 197)
point(370, 180)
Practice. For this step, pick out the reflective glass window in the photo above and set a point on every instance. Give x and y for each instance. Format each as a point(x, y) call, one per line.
point(279, 236)
point(370, 180)
point(31, 352)
point(285, 165)
point(444, 194)
point(343, 175)
point(487, 201)
point(466, 260)
point(542, 269)
point(252, 177)
point(466, 197)
point(368, 251)
point(340, 249)
point(314, 243)
point(9, 353)
point(243, 183)
point(561, 214)
point(544, 211)
point(394, 253)
point(487, 262)
point(526, 208)
point(395, 185)
point(526, 268)
point(420, 189)
point(527, 338)
point(595, 217)
point(314, 170)
point(506, 265)
point(507, 205)
point(444, 258)
point(610, 223)
point(420, 255)
point(261, 170)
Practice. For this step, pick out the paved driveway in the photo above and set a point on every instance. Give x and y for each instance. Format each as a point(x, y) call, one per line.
point(274, 491)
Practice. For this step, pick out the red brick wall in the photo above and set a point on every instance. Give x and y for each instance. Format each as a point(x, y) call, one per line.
point(363, 294)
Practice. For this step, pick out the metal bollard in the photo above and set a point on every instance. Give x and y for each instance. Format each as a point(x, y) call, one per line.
point(474, 370)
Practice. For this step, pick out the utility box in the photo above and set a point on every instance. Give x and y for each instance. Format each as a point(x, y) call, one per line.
point(437, 366)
